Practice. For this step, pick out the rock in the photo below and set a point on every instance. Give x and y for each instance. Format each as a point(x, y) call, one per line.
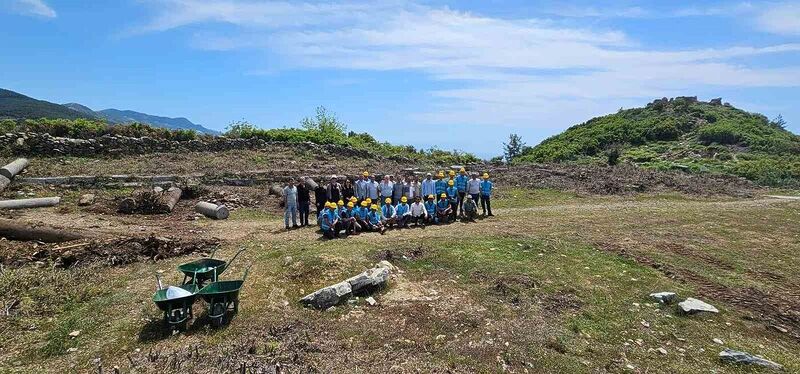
point(387, 265)
point(743, 358)
point(75, 334)
point(662, 351)
point(368, 281)
point(371, 301)
point(692, 306)
point(664, 297)
point(717, 101)
point(73, 349)
point(86, 200)
point(288, 260)
point(327, 297)
point(718, 341)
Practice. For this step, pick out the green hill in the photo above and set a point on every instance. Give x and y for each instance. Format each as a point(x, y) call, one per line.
point(14, 105)
point(682, 133)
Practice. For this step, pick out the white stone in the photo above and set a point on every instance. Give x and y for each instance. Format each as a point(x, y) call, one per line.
point(692, 306)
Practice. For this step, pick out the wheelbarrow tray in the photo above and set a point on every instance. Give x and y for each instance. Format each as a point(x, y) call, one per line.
point(160, 298)
point(221, 290)
point(202, 270)
point(220, 296)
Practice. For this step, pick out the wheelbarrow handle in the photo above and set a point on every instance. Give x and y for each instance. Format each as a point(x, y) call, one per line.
point(213, 251)
point(234, 256)
point(158, 283)
point(247, 271)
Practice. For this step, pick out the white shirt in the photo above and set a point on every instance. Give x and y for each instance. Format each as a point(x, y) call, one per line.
point(474, 186)
point(418, 209)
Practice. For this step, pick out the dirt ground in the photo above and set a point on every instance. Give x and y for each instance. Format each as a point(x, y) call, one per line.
point(556, 282)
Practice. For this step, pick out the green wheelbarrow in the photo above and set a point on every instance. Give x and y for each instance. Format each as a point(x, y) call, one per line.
point(220, 296)
point(205, 269)
point(177, 308)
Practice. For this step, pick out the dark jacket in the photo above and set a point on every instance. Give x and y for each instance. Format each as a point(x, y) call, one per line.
point(320, 195)
point(303, 195)
point(334, 192)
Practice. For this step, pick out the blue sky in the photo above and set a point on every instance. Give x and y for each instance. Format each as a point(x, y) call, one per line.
point(454, 74)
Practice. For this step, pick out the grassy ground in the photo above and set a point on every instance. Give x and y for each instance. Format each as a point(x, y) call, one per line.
point(554, 283)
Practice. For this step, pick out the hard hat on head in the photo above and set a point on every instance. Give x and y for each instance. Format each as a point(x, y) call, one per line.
point(451, 173)
point(374, 207)
point(485, 175)
point(368, 200)
point(403, 199)
point(364, 203)
point(388, 200)
point(450, 182)
point(441, 174)
point(353, 199)
point(443, 195)
point(366, 174)
point(463, 170)
point(350, 204)
point(430, 197)
point(340, 203)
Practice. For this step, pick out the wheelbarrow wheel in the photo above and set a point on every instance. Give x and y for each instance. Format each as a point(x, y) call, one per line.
point(217, 313)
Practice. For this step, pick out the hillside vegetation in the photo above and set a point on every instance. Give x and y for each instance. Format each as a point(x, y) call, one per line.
point(682, 133)
point(15, 105)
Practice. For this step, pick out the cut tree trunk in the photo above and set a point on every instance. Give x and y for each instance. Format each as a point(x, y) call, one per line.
point(128, 205)
point(212, 210)
point(171, 197)
point(4, 182)
point(311, 184)
point(29, 203)
point(14, 168)
point(276, 190)
point(15, 231)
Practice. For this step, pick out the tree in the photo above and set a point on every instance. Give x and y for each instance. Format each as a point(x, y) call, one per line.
point(324, 122)
point(778, 122)
point(513, 148)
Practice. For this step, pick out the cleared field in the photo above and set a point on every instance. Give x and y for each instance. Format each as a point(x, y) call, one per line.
point(554, 283)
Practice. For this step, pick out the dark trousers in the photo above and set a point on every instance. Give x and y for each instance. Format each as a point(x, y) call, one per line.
point(454, 209)
point(402, 220)
point(477, 198)
point(303, 207)
point(320, 207)
point(486, 204)
point(461, 196)
point(418, 220)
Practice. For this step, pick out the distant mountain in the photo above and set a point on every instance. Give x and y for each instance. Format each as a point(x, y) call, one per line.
point(16, 106)
point(126, 116)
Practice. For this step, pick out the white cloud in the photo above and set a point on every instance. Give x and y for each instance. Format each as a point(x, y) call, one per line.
point(33, 8)
point(508, 71)
point(782, 18)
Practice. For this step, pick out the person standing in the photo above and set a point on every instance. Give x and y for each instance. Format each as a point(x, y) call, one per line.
point(414, 189)
point(290, 204)
point(348, 190)
point(334, 190)
point(303, 201)
point(398, 190)
point(461, 186)
point(320, 198)
point(474, 188)
point(361, 186)
point(386, 188)
point(372, 189)
point(418, 213)
point(441, 184)
point(428, 186)
point(452, 196)
point(486, 194)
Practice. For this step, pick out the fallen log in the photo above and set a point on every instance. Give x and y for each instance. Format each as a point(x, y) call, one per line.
point(15, 231)
point(276, 190)
point(310, 183)
point(4, 182)
point(29, 203)
point(212, 210)
point(171, 197)
point(14, 168)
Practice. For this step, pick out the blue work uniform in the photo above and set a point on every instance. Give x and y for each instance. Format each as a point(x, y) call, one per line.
point(461, 182)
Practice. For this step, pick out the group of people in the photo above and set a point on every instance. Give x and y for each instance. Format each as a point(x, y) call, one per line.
point(368, 205)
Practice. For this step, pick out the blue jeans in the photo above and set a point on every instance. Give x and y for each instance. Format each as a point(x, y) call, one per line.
point(290, 209)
